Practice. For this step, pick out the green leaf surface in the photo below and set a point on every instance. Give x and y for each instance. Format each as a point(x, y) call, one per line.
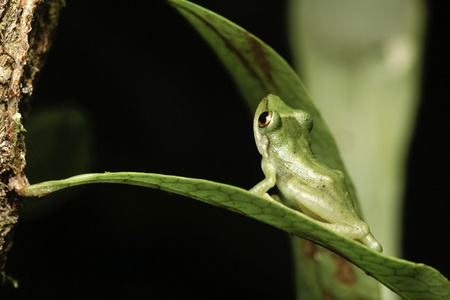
point(410, 280)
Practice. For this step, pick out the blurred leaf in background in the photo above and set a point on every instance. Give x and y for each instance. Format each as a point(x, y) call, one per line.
point(59, 144)
point(362, 63)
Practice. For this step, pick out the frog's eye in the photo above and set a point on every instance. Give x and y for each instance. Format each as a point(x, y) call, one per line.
point(265, 118)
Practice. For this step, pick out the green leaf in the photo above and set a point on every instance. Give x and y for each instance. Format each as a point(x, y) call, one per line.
point(409, 280)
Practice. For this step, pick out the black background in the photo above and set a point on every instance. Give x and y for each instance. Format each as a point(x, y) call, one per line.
point(427, 217)
point(157, 100)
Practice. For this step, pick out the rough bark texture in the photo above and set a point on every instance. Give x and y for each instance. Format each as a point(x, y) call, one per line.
point(26, 30)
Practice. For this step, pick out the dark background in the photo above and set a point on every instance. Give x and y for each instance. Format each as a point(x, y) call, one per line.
point(134, 88)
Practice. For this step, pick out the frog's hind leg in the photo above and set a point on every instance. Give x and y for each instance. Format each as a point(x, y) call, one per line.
point(338, 217)
point(321, 207)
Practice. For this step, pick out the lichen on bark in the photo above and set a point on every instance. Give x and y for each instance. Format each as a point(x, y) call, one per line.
point(26, 31)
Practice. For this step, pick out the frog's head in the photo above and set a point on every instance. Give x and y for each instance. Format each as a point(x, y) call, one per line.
point(277, 125)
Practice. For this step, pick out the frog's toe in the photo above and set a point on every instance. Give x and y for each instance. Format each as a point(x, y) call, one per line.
point(372, 243)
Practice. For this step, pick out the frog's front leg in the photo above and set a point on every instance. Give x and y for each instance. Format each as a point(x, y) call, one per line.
point(267, 183)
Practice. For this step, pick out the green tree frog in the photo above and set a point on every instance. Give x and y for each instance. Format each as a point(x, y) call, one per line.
point(282, 135)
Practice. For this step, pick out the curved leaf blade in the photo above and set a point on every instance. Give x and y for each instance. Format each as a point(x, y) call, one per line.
point(410, 280)
point(258, 70)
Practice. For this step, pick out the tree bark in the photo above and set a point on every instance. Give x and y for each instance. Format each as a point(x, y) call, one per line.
point(26, 31)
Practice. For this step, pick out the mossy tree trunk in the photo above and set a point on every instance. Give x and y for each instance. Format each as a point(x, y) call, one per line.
point(26, 31)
